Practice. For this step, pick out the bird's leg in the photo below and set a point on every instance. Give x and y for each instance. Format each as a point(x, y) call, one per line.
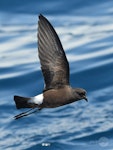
point(26, 113)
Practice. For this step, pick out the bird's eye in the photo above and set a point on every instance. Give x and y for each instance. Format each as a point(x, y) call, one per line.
point(81, 94)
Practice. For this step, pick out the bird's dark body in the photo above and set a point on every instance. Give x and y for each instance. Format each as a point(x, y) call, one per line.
point(57, 97)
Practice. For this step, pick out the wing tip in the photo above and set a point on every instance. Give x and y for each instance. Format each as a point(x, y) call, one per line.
point(41, 17)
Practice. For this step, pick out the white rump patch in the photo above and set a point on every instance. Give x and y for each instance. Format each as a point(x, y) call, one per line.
point(37, 99)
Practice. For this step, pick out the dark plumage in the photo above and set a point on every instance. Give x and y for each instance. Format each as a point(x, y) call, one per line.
point(55, 69)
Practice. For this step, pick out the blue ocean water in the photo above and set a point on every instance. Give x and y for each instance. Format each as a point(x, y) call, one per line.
point(86, 31)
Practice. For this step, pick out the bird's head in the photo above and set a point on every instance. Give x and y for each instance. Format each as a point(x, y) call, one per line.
point(79, 94)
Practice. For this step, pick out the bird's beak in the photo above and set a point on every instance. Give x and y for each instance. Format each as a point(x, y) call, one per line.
point(86, 98)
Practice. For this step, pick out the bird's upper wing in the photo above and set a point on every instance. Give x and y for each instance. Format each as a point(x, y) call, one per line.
point(54, 64)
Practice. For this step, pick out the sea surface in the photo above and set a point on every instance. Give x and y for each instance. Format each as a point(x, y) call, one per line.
point(85, 28)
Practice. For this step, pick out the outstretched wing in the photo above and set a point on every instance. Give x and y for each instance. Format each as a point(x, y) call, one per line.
point(54, 64)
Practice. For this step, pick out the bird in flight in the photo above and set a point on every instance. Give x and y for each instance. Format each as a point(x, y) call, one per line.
point(55, 68)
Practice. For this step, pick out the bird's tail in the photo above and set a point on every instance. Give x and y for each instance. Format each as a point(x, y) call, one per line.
point(23, 102)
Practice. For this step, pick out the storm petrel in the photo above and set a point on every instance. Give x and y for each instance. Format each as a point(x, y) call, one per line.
point(55, 68)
